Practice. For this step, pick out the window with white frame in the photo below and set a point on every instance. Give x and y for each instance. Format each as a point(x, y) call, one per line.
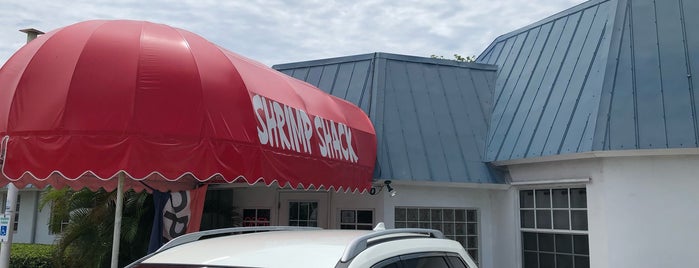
point(356, 219)
point(456, 223)
point(553, 223)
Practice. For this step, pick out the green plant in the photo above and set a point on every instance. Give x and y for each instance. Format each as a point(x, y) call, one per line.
point(32, 255)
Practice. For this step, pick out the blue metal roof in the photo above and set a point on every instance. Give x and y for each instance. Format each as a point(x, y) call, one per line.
point(603, 75)
point(430, 115)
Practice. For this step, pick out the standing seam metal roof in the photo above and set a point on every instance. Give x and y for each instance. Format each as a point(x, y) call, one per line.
point(430, 115)
point(603, 75)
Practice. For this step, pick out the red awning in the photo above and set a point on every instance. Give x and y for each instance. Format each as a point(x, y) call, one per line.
point(167, 107)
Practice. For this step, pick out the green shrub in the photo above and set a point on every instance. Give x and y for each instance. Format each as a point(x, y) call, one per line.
point(31, 255)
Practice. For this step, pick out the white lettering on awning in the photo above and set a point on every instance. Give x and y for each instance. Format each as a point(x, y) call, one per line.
point(285, 127)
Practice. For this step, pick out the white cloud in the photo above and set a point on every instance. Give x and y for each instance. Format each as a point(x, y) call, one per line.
point(278, 31)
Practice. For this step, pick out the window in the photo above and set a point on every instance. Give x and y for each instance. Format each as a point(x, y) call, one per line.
point(554, 227)
point(303, 214)
point(16, 222)
point(457, 224)
point(256, 217)
point(356, 219)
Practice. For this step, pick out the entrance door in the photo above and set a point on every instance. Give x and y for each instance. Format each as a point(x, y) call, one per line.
point(303, 209)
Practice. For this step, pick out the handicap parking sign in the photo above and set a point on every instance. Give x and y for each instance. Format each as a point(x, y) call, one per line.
point(4, 223)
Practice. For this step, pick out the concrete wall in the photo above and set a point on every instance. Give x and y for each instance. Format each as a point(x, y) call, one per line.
point(643, 211)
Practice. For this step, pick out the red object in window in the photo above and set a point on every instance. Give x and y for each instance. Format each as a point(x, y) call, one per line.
point(167, 107)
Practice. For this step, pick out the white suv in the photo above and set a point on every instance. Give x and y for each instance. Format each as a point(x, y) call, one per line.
point(306, 247)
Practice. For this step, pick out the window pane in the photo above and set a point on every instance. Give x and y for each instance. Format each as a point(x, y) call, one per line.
point(564, 243)
point(313, 210)
point(529, 241)
point(527, 218)
point(531, 260)
point(473, 242)
point(460, 215)
point(263, 214)
point(543, 219)
point(304, 213)
point(412, 214)
point(579, 220)
point(560, 220)
point(543, 198)
point(460, 228)
point(471, 229)
point(249, 214)
point(526, 199)
point(560, 198)
point(547, 260)
point(582, 262)
point(424, 215)
point(346, 227)
point(578, 198)
point(471, 216)
point(401, 214)
point(448, 229)
point(365, 216)
point(580, 245)
point(293, 210)
point(400, 224)
point(546, 242)
point(564, 261)
point(436, 215)
point(347, 216)
point(449, 215)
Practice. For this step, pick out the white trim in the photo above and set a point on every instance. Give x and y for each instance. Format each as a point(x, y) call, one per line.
point(599, 154)
point(584, 180)
point(472, 185)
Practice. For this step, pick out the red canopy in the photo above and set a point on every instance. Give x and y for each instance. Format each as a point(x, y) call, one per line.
point(84, 102)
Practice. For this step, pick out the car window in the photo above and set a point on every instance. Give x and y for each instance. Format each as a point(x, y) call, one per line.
point(457, 262)
point(426, 262)
point(389, 263)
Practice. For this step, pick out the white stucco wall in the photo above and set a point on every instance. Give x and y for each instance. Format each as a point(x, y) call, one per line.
point(651, 214)
point(495, 227)
point(643, 211)
point(451, 196)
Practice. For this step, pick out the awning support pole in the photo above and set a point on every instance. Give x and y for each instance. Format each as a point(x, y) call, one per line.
point(117, 221)
point(10, 212)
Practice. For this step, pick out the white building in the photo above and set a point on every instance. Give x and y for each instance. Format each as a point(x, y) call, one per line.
point(572, 142)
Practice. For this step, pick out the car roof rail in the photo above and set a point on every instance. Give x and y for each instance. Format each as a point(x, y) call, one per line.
point(361, 243)
point(191, 237)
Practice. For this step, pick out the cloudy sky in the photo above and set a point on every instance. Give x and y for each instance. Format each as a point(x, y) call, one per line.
point(282, 31)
